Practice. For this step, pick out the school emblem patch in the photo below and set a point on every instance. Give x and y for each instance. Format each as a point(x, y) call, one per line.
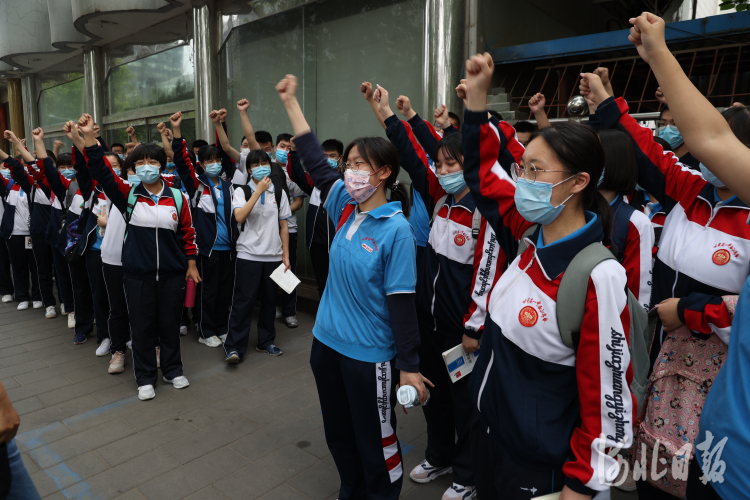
point(174, 215)
point(528, 316)
point(459, 239)
point(721, 257)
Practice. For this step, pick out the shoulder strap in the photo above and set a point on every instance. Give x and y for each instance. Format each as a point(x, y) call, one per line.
point(178, 199)
point(437, 208)
point(476, 224)
point(522, 246)
point(621, 227)
point(571, 296)
point(248, 193)
point(131, 205)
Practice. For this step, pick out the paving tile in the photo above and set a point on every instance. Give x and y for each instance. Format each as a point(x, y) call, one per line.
point(57, 412)
point(12, 371)
point(37, 388)
point(23, 339)
point(153, 414)
point(12, 351)
point(27, 406)
point(10, 383)
point(273, 410)
point(42, 436)
point(29, 463)
point(74, 390)
point(313, 411)
point(224, 409)
point(68, 473)
point(226, 388)
point(52, 371)
point(271, 438)
point(47, 353)
point(115, 393)
point(314, 443)
point(205, 440)
point(188, 479)
point(263, 476)
point(318, 482)
point(284, 492)
point(283, 385)
point(133, 494)
point(137, 444)
point(207, 494)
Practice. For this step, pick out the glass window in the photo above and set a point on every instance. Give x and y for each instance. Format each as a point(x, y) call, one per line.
point(61, 103)
point(159, 79)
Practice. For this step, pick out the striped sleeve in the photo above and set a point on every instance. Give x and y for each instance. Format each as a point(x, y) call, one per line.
point(705, 314)
point(187, 231)
point(489, 262)
point(637, 257)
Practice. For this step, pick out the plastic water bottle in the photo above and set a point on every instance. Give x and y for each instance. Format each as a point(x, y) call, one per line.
point(190, 293)
point(408, 396)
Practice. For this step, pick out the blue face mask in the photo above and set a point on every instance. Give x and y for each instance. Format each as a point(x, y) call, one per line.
point(121, 157)
point(453, 183)
point(710, 177)
point(670, 134)
point(116, 171)
point(533, 201)
point(68, 173)
point(170, 165)
point(134, 180)
point(5, 173)
point(333, 163)
point(272, 155)
point(147, 173)
point(262, 171)
point(212, 169)
point(282, 155)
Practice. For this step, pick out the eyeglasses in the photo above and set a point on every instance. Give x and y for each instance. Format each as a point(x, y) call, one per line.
point(357, 165)
point(143, 163)
point(528, 172)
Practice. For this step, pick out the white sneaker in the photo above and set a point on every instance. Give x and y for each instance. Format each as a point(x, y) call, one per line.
point(117, 363)
point(23, 305)
point(178, 382)
point(72, 320)
point(183, 330)
point(210, 341)
point(146, 392)
point(51, 312)
point(223, 338)
point(424, 472)
point(103, 348)
point(459, 492)
point(62, 309)
point(38, 304)
point(278, 313)
point(7, 298)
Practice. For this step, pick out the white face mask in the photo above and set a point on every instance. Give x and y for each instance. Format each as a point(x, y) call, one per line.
point(245, 151)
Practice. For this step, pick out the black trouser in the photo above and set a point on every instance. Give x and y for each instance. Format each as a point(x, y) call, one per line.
point(83, 301)
point(215, 292)
point(319, 258)
point(64, 283)
point(43, 259)
point(155, 309)
point(22, 263)
point(99, 293)
point(696, 490)
point(497, 477)
point(6, 282)
point(118, 322)
point(289, 300)
point(357, 400)
point(252, 280)
point(449, 412)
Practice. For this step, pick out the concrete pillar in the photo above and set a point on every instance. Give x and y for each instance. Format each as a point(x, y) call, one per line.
point(15, 106)
point(93, 82)
point(30, 93)
point(443, 53)
point(205, 49)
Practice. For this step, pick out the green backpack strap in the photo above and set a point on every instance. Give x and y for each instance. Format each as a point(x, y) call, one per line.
point(131, 205)
point(178, 199)
point(522, 246)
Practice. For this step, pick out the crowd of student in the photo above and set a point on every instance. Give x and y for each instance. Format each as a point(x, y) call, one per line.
point(548, 243)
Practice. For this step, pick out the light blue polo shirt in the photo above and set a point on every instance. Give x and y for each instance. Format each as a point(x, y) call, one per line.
point(373, 255)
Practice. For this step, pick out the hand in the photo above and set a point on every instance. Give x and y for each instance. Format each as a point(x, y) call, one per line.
point(86, 124)
point(10, 136)
point(38, 135)
point(660, 97)
point(403, 104)
point(416, 380)
point(243, 104)
point(738, 105)
point(192, 272)
point(168, 135)
point(291, 141)
point(9, 420)
point(23, 142)
point(70, 130)
point(287, 89)
point(469, 344)
point(161, 128)
point(129, 147)
point(176, 119)
point(214, 115)
point(56, 144)
point(568, 494)
point(366, 89)
point(647, 34)
point(381, 96)
point(223, 114)
point(668, 314)
point(264, 185)
point(536, 103)
point(603, 74)
point(97, 129)
point(441, 116)
point(479, 69)
point(461, 90)
point(592, 89)
point(285, 261)
point(102, 219)
point(130, 131)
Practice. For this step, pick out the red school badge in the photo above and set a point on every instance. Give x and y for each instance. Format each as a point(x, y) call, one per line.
point(721, 257)
point(174, 215)
point(528, 316)
point(459, 239)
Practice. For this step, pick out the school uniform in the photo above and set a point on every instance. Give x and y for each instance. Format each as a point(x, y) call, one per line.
point(259, 253)
point(289, 300)
point(539, 403)
point(118, 322)
point(6, 282)
point(212, 209)
point(159, 242)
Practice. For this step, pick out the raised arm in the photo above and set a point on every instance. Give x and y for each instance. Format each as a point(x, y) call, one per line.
point(99, 138)
point(131, 135)
point(247, 128)
point(181, 159)
point(25, 154)
point(166, 142)
point(99, 169)
point(536, 105)
point(228, 166)
point(223, 139)
point(368, 94)
point(297, 173)
point(56, 148)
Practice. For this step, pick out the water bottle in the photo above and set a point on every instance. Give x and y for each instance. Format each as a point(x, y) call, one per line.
point(190, 293)
point(408, 396)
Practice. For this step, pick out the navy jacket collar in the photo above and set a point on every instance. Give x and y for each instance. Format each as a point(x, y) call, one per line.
point(555, 258)
point(708, 193)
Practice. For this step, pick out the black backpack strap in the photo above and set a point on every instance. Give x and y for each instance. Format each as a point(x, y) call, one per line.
point(248, 193)
point(620, 228)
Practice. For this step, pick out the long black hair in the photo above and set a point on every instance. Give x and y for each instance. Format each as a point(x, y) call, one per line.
point(378, 153)
point(452, 147)
point(150, 151)
point(578, 148)
point(620, 164)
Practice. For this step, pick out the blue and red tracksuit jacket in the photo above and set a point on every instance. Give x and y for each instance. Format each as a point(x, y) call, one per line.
point(704, 249)
point(543, 403)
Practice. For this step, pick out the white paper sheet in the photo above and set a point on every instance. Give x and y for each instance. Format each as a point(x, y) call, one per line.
point(286, 280)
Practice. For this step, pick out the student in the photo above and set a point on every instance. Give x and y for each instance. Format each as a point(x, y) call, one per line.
point(118, 149)
point(535, 434)
point(262, 245)
point(669, 132)
point(372, 279)
point(158, 258)
point(211, 198)
point(265, 143)
point(524, 131)
point(197, 145)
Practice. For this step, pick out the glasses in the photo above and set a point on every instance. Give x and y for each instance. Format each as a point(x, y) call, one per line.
point(528, 172)
point(357, 165)
point(143, 163)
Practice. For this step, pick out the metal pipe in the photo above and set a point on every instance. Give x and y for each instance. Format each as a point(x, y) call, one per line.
point(736, 71)
point(443, 52)
point(93, 82)
point(205, 47)
point(15, 106)
point(30, 93)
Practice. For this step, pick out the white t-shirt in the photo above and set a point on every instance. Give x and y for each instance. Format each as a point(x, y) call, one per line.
point(294, 193)
point(260, 240)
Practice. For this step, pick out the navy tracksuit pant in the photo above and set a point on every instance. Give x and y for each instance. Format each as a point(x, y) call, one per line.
point(22, 262)
point(214, 294)
point(44, 263)
point(118, 322)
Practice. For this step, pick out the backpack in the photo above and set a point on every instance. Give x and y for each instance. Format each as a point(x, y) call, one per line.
point(278, 178)
point(683, 374)
point(476, 220)
point(621, 225)
point(74, 231)
point(132, 198)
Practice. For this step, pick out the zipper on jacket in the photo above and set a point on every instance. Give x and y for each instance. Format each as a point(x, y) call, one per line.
point(157, 231)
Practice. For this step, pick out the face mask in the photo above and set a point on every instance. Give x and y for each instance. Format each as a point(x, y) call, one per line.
point(170, 165)
point(121, 157)
point(134, 180)
point(333, 163)
point(116, 171)
point(453, 183)
point(670, 134)
point(282, 155)
point(68, 173)
point(710, 177)
point(357, 184)
point(533, 201)
point(6, 173)
point(272, 155)
point(245, 151)
point(260, 172)
point(147, 173)
point(212, 169)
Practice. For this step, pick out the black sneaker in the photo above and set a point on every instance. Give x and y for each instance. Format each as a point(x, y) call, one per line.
point(233, 358)
point(271, 349)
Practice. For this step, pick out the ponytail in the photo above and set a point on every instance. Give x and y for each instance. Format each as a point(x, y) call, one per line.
point(601, 207)
point(400, 194)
